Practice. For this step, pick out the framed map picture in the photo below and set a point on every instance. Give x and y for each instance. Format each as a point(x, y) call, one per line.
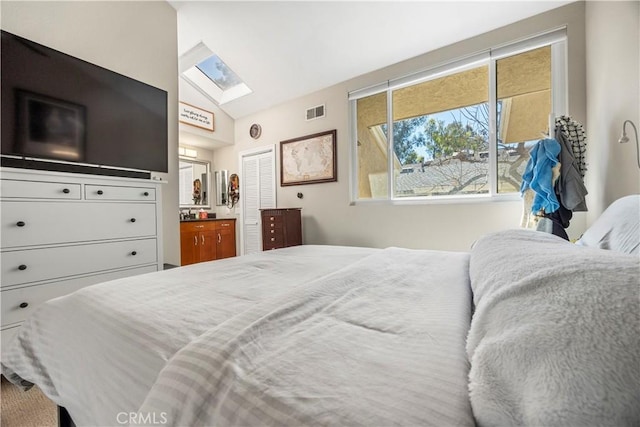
point(309, 159)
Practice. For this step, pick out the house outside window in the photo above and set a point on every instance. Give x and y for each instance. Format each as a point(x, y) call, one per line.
point(460, 130)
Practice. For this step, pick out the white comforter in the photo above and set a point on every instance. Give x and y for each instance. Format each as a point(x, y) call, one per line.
point(97, 352)
point(378, 343)
point(305, 335)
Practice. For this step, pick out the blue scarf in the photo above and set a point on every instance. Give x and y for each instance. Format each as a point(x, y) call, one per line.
point(538, 175)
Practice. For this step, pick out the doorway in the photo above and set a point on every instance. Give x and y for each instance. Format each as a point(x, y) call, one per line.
point(257, 191)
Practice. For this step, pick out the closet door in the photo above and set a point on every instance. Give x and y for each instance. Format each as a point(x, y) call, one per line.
point(258, 192)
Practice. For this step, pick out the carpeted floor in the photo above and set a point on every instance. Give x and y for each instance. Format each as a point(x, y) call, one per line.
point(26, 409)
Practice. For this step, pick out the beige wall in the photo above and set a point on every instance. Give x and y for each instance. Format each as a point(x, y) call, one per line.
point(328, 217)
point(613, 88)
point(137, 39)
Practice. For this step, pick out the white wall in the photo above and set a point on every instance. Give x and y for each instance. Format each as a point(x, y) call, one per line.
point(223, 124)
point(327, 216)
point(613, 88)
point(137, 39)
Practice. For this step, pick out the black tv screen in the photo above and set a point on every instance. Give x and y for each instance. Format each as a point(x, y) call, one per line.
point(59, 108)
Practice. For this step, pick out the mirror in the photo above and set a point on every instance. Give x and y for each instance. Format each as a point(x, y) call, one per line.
point(221, 178)
point(194, 183)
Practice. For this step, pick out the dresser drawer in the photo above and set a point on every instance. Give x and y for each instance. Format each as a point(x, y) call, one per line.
point(19, 303)
point(29, 223)
point(273, 232)
point(32, 265)
point(17, 189)
point(274, 219)
point(112, 192)
point(271, 241)
point(272, 225)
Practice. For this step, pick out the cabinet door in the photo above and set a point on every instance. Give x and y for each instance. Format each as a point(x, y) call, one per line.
point(189, 247)
point(207, 244)
point(226, 242)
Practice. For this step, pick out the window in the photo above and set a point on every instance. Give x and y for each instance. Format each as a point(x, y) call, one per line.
point(461, 129)
point(209, 74)
point(218, 72)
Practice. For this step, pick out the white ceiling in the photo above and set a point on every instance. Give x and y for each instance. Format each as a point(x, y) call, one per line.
point(285, 49)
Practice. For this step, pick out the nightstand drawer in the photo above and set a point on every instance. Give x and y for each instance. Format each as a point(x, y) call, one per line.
point(30, 223)
point(19, 303)
point(112, 192)
point(16, 189)
point(33, 265)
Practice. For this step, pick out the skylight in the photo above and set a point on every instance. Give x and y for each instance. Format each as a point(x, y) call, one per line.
point(208, 73)
point(214, 68)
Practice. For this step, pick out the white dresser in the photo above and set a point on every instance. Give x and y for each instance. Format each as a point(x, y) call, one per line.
point(62, 231)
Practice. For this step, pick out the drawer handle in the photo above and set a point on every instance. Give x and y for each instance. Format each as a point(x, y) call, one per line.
point(273, 225)
point(66, 191)
point(271, 219)
point(224, 225)
point(198, 226)
point(134, 253)
point(273, 239)
point(100, 192)
point(132, 220)
point(146, 193)
point(20, 223)
point(273, 231)
point(24, 305)
point(22, 267)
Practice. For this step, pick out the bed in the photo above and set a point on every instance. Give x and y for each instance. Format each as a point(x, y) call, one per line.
point(524, 329)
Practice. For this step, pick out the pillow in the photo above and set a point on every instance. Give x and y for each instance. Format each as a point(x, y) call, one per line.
point(618, 228)
point(554, 339)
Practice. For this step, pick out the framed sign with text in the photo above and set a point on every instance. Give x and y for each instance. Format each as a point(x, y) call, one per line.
point(194, 116)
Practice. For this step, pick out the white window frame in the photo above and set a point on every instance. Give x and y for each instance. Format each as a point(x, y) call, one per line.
point(556, 38)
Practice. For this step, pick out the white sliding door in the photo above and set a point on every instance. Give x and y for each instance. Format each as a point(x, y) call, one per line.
point(258, 191)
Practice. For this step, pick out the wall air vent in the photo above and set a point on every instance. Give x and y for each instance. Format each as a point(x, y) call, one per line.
point(315, 112)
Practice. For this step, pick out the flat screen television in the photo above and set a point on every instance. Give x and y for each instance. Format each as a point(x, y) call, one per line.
point(63, 113)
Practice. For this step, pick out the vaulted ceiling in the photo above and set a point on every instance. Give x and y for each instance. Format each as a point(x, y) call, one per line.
point(286, 49)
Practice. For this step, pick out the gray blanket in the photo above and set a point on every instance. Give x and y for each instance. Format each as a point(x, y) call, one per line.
point(554, 339)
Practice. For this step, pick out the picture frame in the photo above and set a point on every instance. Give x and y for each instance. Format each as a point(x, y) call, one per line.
point(195, 116)
point(50, 127)
point(309, 159)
